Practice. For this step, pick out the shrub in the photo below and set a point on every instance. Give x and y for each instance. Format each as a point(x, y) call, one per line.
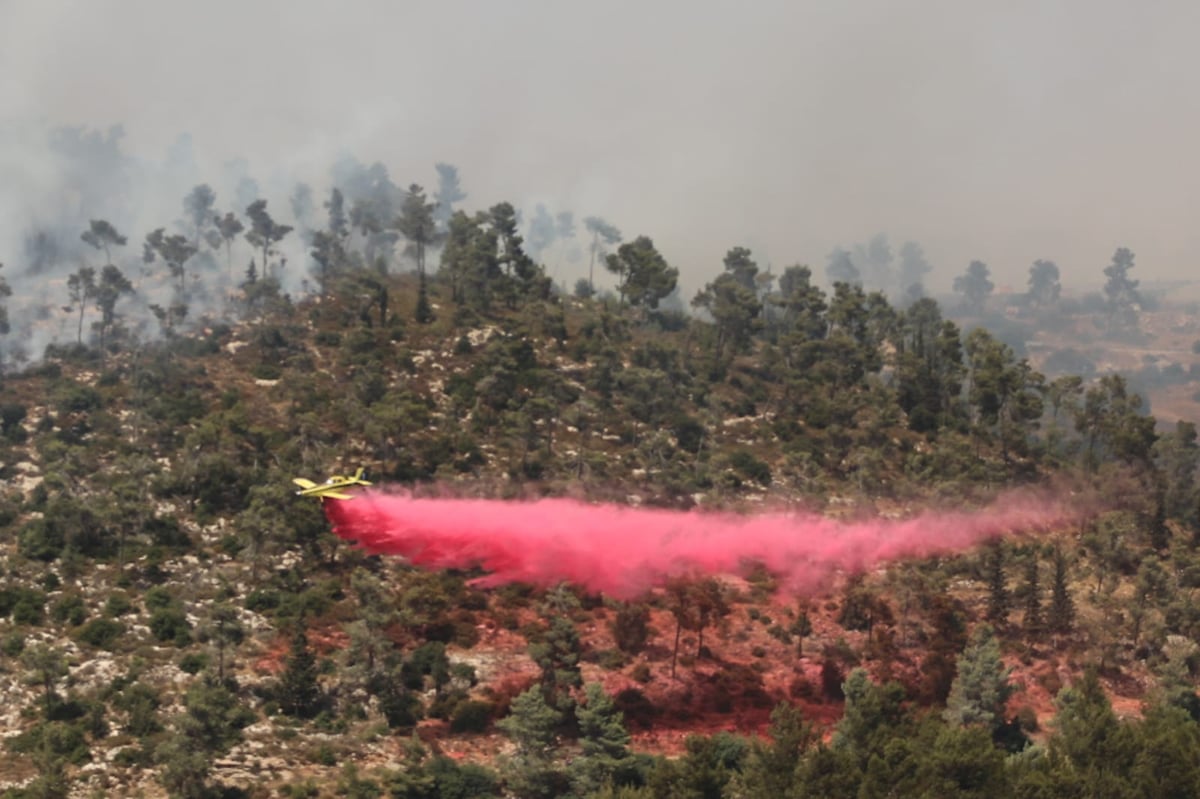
point(166, 532)
point(472, 716)
point(77, 399)
point(30, 606)
point(100, 633)
point(262, 600)
point(780, 633)
point(638, 710)
point(328, 338)
point(39, 540)
point(193, 662)
point(118, 604)
point(171, 624)
point(630, 628)
point(11, 416)
point(832, 678)
point(744, 463)
point(12, 645)
point(158, 598)
point(57, 738)
point(610, 659)
point(69, 610)
point(266, 371)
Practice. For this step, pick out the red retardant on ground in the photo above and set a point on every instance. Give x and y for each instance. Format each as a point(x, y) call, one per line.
point(623, 551)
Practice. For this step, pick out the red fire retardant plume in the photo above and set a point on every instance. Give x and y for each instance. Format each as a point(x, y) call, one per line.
point(623, 551)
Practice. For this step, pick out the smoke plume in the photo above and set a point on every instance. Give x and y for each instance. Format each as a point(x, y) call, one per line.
point(622, 552)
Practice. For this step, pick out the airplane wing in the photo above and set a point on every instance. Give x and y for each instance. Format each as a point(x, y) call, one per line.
point(333, 495)
point(300, 481)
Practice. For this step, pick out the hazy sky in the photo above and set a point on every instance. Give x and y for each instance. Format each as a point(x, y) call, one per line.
point(1005, 131)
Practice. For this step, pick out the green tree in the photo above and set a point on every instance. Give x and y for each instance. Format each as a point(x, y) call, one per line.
point(643, 275)
point(1006, 394)
point(1112, 422)
point(630, 627)
point(1121, 294)
point(228, 228)
point(771, 766)
point(1150, 586)
point(525, 280)
point(604, 236)
point(45, 665)
point(604, 744)
point(711, 605)
point(556, 652)
point(981, 689)
point(1099, 747)
point(1166, 762)
point(840, 268)
point(975, 286)
point(264, 233)
point(449, 192)
point(198, 212)
point(542, 231)
point(469, 262)
point(103, 236)
point(853, 343)
point(910, 276)
point(1044, 285)
point(212, 722)
point(735, 311)
point(175, 250)
point(999, 602)
point(1033, 619)
point(873, 714)
point(803, 304)
point(81, 287)
point(225, 631)
point(5, 293)
point(416, 224)
point(532, 725)
point(111, 287)
point(1061, 616)
point(680, 602)
point(1177, 455)
point(1063, 394)
point(298, 691)
point(929, 367)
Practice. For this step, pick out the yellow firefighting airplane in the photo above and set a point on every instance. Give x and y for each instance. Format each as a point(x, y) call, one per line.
point(331, 488)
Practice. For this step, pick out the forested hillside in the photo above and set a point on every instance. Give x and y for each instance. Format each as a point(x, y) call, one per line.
point(174, 621)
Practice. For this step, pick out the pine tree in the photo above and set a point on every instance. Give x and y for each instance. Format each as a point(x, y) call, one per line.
point(999, 601)
point(770, 769)
point(424, 312)
point(1062, 607)
point(605, 744)
point(1032, 620)
point(557, 654)
point(298, 692)
point(532, 725)
point(981, 687)
point(1160, 534)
